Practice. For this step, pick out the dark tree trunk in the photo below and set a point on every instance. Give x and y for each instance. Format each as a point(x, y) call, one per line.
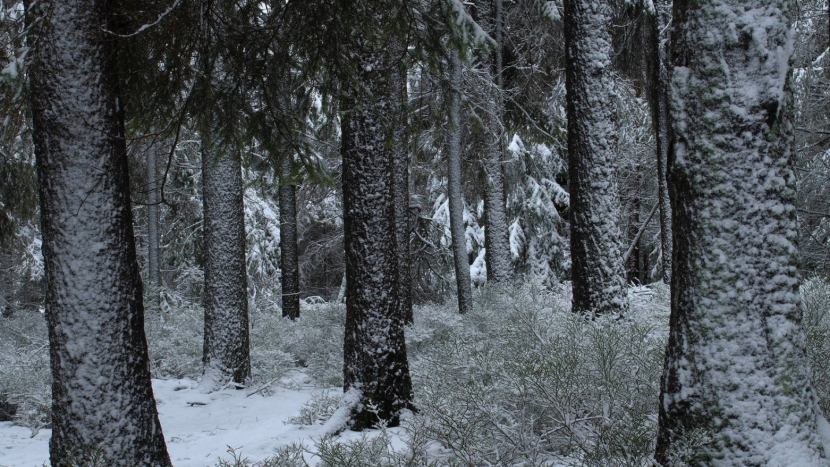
point(659, 100)
point(496, 235)
point(375, 362)
point(401, 193)
point(226, 351)
point(153, 265)
point(597, 269)
point(289, 262)
point(102, 399)
point(633, 261)
point(736, 385)
point(455, 193)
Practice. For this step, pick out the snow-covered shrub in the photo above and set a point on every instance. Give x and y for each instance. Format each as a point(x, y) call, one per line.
point(317, 410)
point(285, 456)
point(175, 338)
point(521, 380)
point(175, 341)
point(374, 450)
point(313, 341)
point(25, 377)
point(815, 294)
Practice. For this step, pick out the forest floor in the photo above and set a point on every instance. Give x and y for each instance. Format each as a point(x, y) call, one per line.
point(200, 428)
point(517, 381)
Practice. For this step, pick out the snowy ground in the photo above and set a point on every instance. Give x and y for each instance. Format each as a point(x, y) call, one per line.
point(199, 427)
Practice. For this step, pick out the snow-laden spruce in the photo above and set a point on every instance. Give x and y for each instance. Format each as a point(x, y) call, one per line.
point(102, 401)
point(455, 193)
point(289, 259)
point(153, 236)
point(596, 251)
point(736, 387)
point(660, 120)
point(226, 352)
point(496, 234)
point(375, 362)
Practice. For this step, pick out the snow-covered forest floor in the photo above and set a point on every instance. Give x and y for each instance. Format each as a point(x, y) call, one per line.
point(518, 381)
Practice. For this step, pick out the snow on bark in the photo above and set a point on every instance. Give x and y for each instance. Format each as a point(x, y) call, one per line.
point(289, 262)
point(375, 361)
point(736, 385)
point(455, 193)
point(496, 234)
point(660, 118)
point(101, 394)
point(401, 193)
point(597, 267)
point(226, 351)
point(153, 265)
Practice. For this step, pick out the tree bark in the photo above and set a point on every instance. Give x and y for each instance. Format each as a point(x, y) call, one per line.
point(597, 269)
point(632, 261)
point(226, 342)
point(289, 262)
point(375, 362)
point(455, 193)
point(153, 265)
point(659, 101)
point(496, 235)
point(102, 399)
point(736, 385)
point(401, 194)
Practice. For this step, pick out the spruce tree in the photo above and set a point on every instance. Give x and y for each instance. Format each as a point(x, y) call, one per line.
point(102, 396)
point(736, 385)
point(375, 361)
point(597, 268)
point(289, 261)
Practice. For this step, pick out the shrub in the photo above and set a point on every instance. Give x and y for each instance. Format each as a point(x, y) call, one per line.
point(815, 295)
point(522, 381)
point(25, 376)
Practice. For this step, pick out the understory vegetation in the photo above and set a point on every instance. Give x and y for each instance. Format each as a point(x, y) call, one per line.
point(518, 381)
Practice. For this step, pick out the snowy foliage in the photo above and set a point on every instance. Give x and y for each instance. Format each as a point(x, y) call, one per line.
point(519, 379)
point(542, 250)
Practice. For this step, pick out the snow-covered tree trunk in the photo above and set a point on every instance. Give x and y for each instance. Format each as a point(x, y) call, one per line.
point(597, 269)
point(455, 193)
point(736, 385)
point(660, 117)
point(401, 193)
point(226, 346)
point(632, 263)
point(375, 362)
point(289, 262)
point(153, 266)
point(102, 399)
point(496, 235)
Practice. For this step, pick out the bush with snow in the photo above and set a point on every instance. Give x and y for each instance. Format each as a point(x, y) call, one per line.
point(25, 378)
point(520, 380)
point(523, 381)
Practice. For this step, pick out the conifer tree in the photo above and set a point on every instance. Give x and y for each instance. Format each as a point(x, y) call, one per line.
point(736, 385)
point(226, 353)
point(102, 396)
point(597, 268)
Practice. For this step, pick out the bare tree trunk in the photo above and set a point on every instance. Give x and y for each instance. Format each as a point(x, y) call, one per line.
point(226, 347)
point(375, 362)
point(289, 262)
point(153, 266)
point(632, 261)
point(102, 399)
point(496, 235)
point(736, 387)
point(660, 117)
point(401, 193)
point(455, 193)
point(597, 268)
